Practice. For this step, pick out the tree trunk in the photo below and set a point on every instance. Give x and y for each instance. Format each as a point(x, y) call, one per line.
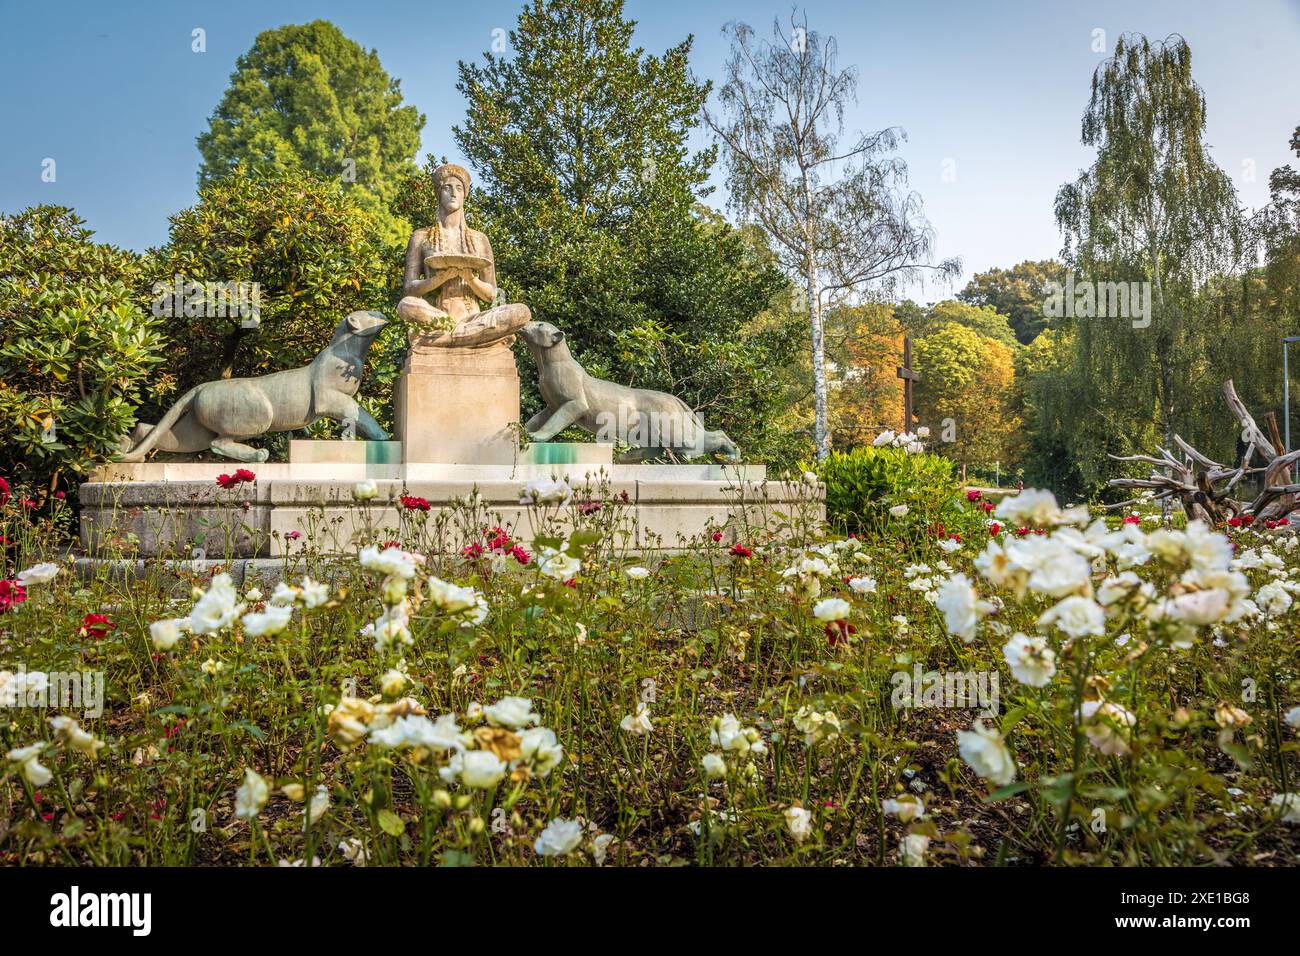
point(822, 432)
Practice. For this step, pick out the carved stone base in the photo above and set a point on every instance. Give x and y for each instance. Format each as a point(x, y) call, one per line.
point(456, 406)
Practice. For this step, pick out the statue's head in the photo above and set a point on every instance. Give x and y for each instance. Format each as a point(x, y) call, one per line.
point(452, 185)
point(541, 335)
point(362, 324)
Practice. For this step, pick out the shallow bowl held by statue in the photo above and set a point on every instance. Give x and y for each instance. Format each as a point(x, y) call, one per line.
point(455, 260)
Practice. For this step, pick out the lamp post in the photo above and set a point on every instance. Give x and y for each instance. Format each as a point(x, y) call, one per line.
point(1286, 392)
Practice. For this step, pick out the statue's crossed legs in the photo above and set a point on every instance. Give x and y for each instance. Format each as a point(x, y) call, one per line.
point(432, 327)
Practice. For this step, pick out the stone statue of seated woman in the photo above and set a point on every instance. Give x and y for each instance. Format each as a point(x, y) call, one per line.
point(449, 272)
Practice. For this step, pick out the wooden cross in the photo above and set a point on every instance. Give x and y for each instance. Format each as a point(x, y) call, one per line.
point(908, 376)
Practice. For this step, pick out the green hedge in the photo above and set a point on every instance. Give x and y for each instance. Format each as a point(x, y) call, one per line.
point(862, 485)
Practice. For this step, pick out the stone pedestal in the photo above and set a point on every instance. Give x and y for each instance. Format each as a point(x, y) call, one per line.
point(308, 452)
point(456, 406)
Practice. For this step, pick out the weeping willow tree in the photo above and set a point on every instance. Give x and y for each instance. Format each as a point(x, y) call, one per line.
point(1153, 209)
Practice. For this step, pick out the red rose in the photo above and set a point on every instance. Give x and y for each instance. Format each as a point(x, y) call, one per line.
point(1132, 519)
point(717, 536)
point(740, 551)
point(519, 554)
point(974, 495)
point(11, 593)
point(995, 529)
point(412, 503)
point(96, 626)
point(4, 492)
point(240, 476)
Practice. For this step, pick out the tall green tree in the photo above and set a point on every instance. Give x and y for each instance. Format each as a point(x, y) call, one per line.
point(307, 97)
point(983, 319)
point(1153, 208)
point(839, 216)
point(1018, 293)
point(1282, 234)
point(314, 255)
point(590, 193)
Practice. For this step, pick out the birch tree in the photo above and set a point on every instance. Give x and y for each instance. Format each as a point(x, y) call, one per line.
point(840, 217)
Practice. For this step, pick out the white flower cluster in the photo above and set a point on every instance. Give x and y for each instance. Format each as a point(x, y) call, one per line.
point(740, 744)
point(910, 442)
point(66, 731)
point(816, 727)
point(478, 759)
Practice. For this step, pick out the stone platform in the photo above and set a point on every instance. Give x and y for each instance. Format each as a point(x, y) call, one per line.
point(178, 509)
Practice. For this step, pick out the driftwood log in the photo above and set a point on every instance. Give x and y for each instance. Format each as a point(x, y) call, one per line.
point(1205, 488)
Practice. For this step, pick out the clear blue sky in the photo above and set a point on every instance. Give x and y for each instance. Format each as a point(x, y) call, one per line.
point(113, 93)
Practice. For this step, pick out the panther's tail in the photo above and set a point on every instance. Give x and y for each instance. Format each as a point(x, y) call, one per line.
point(155, 436)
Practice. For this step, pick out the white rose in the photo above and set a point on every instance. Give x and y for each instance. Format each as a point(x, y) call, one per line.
point(391, 561)
point(714, 766)
point(252, 796)
point(36, 773)
point(313, 593)
point(831, 609)
point(863, 585)
point(899, 511)
point(907, 808)
point(1199, 607)
point(637, 573)
point(41, 573)
point(960, 606)
point(986, 753)
point(364, 490)
point(543, 491)
point(1031, 661)
point(511, 712)
point(538, 747)
point(911, 849)
point(1107, 726)
point(559, 838)
point(166, 634)
point(799, 822)
point(271, 621)
point(481, 769)
point(640, 723)
point(216, 608)
point(558, 565)
point(1075, 616)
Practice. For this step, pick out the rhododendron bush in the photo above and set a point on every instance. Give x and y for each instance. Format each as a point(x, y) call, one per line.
point(1027, 684)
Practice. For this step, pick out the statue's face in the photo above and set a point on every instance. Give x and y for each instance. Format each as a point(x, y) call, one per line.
point(451, 195)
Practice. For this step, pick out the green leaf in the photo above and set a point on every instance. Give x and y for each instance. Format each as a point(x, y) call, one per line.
point(390, 823)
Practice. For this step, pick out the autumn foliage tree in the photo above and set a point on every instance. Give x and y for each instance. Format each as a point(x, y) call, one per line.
point(864, 345)
point(966, 392)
